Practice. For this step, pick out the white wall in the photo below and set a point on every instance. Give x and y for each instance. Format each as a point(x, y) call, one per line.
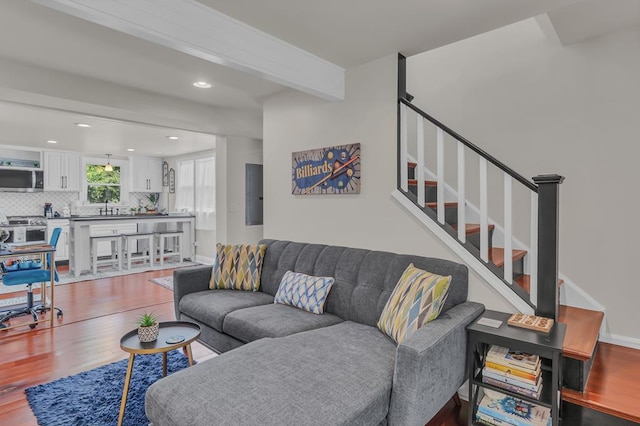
point(240, 151)
point(294, 121)
point(232, 156)
point(544, 108)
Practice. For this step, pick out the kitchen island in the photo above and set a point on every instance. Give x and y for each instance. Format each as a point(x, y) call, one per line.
point(80, 233)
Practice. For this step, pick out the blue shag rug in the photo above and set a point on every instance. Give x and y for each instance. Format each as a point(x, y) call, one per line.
point(93, 397)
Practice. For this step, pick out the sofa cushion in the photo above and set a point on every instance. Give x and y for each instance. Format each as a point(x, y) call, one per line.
point(211, 306)
point(237, 267)
point(274, 320)
point(303, 291)
point(417, 299)
point(284, 381)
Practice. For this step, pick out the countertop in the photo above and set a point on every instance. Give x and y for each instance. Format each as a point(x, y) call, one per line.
point(128, 217)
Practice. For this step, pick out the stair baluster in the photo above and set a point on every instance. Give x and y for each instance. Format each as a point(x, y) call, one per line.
point(484, 207)
point(508, 229)
point(462, 219)
point(420, 160)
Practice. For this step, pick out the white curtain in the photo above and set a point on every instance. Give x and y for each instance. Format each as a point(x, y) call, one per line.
point(205, 195)
point(185, 190)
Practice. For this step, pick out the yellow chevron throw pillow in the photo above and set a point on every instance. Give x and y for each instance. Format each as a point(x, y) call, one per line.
point(417, 299)
point(237, 267)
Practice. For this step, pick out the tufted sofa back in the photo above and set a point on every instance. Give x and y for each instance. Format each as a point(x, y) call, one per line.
point(364, 278)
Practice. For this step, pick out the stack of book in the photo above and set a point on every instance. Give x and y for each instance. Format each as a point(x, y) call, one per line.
point(514, 371)
point(496, 409)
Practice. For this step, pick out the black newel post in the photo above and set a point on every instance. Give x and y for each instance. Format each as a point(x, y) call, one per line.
point(548, 215)
point(402, 92)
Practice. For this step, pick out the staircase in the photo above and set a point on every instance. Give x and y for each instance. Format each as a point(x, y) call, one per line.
point(526, 274)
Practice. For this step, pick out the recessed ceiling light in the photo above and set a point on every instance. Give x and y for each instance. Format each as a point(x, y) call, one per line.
point(202, 84)
point(130, 149)
point(52, 141)
point(173, 138)
point(83, 125)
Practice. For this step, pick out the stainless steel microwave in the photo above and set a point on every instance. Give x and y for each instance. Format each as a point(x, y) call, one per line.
point(21, 180)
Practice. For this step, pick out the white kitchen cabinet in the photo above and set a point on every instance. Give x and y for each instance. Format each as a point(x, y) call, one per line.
point(104, 247)
point(62, 248)
point(61, 171)
point(146, 174)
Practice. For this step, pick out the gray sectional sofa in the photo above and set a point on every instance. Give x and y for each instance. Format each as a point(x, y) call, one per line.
point(280, 365)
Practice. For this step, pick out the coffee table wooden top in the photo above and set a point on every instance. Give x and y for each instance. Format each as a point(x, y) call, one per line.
point(130, 342)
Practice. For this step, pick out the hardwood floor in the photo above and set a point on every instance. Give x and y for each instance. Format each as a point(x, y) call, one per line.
point(96, 314)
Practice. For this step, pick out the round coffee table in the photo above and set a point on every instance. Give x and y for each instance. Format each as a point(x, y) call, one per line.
point(170, 329)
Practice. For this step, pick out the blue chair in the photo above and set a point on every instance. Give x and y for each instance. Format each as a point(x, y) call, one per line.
point(30, 277)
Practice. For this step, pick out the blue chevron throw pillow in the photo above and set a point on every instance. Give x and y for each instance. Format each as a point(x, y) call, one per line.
point(304, 291)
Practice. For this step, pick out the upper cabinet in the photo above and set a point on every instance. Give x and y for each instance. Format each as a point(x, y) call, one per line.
point(61, 171)
point(146, 174)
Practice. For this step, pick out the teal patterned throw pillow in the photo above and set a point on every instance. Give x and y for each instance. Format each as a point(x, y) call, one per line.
point(304, 291)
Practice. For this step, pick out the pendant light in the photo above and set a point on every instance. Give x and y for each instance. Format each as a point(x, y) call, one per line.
point(108, 167)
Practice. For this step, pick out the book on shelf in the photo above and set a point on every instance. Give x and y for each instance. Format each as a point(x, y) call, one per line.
point(514, 411)
point(533, 376)
point(514, 388)
point(514, 380)
point(512, 358)
point(487, 420)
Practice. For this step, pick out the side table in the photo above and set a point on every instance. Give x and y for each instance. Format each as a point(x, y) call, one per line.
point(548, 346)
point(131, 344)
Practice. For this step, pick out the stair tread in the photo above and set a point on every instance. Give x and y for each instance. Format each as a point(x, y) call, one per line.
point(414, 182)
point(447, 204)
point(473, 228)
point(496, 255)
point(583, 329)
point(412, 165)
point(614, 383)
point(524, 281)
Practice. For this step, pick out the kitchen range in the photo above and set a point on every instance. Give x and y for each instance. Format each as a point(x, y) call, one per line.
point(26, 229)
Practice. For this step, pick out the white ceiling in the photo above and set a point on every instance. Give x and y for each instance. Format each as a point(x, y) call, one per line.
point(81, 69)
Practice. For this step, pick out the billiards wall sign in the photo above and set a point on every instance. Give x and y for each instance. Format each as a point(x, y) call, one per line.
point(330, 170)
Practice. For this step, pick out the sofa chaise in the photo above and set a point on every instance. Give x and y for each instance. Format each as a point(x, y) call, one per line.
point(280, 365)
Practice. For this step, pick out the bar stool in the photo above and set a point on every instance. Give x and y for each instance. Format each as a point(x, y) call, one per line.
point(116, 251)
point(127, 238)
point(171, 236)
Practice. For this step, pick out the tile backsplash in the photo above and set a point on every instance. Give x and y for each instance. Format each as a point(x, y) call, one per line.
point(32, 204)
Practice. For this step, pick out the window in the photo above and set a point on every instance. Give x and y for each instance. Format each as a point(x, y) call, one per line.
point(198, 174)
point(102, 186)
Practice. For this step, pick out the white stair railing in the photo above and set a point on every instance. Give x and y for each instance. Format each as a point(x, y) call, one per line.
point(504, 234)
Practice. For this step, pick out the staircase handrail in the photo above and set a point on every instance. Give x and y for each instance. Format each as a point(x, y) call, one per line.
point(527, 183)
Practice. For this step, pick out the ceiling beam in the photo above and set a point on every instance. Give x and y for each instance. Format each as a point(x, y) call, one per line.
point(195, 29)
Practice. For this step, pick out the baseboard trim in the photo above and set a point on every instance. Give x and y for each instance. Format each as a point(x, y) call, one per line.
point(616, 339)
point(205, 260)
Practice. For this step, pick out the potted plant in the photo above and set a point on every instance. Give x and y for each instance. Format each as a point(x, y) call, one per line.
point(153, 198)
point(148, 327)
